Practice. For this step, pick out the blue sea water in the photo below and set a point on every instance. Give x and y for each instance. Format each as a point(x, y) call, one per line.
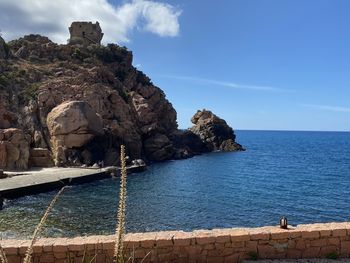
point(304, 176)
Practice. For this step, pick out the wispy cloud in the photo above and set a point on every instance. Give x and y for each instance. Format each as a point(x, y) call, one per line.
point(52, 18)
point(327, 107)
point(227, 84)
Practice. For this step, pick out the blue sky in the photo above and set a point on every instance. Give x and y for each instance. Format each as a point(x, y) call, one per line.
point(299, 50)
point(259, 64)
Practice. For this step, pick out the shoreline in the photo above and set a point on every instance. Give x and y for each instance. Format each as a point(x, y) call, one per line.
point(48, 179)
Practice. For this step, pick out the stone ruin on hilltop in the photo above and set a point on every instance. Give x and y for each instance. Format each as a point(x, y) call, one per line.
point(85, 33)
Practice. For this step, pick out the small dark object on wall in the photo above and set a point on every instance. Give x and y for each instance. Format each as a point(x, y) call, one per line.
point(2, 174)
point(283, 222)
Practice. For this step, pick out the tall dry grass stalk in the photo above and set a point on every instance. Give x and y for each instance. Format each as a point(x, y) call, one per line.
point(3, 257)
point(37, 230)
point(120, 229)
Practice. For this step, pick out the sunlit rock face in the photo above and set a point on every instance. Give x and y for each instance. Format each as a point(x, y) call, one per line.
point(41, 75)
point(79, 103)
point(72, 125)
point(214, 132)
point(14, 149)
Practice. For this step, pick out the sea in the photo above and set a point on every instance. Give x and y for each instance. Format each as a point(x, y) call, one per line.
point(304, 176)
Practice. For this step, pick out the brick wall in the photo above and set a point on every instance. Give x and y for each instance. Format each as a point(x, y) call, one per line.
point(218, 245)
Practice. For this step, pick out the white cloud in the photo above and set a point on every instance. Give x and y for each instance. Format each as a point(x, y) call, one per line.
point(228, 84)
point(327, 108)
point(53, 17)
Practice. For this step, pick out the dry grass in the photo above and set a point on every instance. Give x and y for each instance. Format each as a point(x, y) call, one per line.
point(3, 257)
point(119, 256)
point(120, 229)
point(39, 227)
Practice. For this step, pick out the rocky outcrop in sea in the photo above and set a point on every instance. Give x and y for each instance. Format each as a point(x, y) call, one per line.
point(76, 104)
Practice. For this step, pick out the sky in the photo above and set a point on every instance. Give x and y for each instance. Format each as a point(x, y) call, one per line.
point(258, 64)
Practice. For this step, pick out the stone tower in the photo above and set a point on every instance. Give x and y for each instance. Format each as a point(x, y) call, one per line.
point(85, 33)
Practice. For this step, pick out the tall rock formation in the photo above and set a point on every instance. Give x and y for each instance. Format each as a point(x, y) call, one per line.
point(78, 103)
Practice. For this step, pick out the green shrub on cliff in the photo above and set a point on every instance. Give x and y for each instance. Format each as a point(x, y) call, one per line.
point(7, 49)
point(124, 95)
point(110, 53)
point(79, 54)
point(28, 93)
point(3, 80)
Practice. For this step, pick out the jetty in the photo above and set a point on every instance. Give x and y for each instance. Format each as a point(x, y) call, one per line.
point(41, 180)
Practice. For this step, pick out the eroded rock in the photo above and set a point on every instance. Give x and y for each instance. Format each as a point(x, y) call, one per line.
point(214, 132)
point(14, 149)
point(40, 76)
point(71, 125)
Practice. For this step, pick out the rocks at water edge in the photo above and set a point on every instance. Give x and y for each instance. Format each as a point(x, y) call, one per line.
point(214, 132)
point(38, 76)
point(209, 133)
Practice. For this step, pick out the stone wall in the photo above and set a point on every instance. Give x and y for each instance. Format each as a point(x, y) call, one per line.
point(218, 245)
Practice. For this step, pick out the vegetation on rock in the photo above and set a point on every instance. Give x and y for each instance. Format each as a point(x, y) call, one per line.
point(39, 75)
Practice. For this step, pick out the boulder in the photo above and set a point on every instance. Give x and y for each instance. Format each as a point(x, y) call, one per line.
point(214, 132)
point(7, 118)
point(14, 149)
point(72, 124)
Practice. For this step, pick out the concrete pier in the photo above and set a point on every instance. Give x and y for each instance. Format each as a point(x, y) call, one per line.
point(48, 179)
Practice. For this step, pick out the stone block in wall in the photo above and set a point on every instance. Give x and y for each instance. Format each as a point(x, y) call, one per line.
point(325, 233)
point(345, 247)
point(232, 259)
point(40, 157)
point(311, 252)
point(265, 251)
point(310, 234)
point(326, 250)
point(339, 233)
point(293, 253)
point(334, 241)
point(239, 235)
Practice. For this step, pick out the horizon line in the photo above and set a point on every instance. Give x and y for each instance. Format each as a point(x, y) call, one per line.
point(283, 130)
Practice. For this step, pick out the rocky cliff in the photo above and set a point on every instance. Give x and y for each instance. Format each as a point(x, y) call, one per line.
point(77, 104)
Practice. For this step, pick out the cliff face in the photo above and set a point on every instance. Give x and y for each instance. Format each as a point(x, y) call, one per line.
point(39, 77)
